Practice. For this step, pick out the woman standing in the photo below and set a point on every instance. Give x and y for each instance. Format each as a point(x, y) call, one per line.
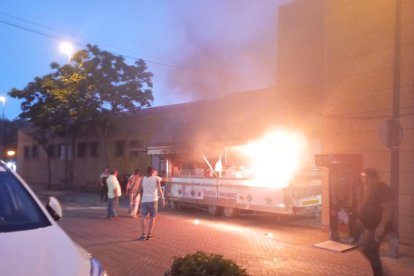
point(133, 194)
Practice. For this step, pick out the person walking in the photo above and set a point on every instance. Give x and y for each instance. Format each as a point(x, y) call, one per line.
point(375, 215)
point(114, 192)
point(151, 188)
point(133, 194)
point(104, 186)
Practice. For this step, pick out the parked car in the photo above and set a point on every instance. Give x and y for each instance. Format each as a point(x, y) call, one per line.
point(31, 241)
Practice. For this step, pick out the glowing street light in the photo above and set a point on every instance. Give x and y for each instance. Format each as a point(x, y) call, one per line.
point(66, 48)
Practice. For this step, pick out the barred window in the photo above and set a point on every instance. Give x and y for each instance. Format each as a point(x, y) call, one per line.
point(34, 151)
point(26, 152)
point(82, 147)
point(51, 149)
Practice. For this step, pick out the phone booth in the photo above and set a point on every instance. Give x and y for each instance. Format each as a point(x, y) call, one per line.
point(340, 193)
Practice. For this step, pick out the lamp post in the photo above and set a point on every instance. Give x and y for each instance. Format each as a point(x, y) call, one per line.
point(3, 101)
point(395, 133)
point(67, 49)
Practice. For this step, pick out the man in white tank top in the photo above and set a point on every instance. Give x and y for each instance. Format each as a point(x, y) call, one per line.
point(151, 188)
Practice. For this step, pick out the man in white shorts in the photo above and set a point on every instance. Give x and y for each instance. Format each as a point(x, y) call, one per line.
point(151, 188)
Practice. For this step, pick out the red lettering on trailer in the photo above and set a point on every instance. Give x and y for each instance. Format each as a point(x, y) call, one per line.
point(228, 195)
point(210, 193)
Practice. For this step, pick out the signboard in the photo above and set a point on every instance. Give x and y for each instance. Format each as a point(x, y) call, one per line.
point(391, 133)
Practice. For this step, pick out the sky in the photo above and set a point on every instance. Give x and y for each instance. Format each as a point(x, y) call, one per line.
point(196, 49)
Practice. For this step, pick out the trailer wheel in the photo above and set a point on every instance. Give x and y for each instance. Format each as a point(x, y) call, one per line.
point(213, 210)
point(175, 205)
point(229, 212)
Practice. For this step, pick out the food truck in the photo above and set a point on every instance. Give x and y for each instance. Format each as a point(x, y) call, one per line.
point(274, 174)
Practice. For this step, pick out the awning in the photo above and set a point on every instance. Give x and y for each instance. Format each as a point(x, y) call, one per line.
point(164, 150)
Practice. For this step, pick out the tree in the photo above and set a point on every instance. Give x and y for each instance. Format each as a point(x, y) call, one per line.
point(93, 89)
point(110, 89)
point(42, 109)
point(10, 129)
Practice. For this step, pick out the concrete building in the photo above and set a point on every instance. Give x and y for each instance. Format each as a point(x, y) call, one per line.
point(345, 61)
point(136, 141)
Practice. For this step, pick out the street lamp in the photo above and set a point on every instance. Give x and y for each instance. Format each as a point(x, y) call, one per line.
point(11, 153)
point(11, 163)
point(66, 48)
point(396, 134)
point(2, 100)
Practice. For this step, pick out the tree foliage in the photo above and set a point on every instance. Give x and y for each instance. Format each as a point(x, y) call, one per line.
point(91, 90)
point(10, 129)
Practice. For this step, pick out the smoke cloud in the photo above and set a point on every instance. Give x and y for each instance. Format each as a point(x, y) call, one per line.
point(224, 47)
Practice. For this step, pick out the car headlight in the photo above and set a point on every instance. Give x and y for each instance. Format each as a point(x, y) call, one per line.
point(96, 268)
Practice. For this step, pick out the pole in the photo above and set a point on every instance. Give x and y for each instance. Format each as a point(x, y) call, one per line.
point(3, 100)
point(67, 155)
point(395, 133)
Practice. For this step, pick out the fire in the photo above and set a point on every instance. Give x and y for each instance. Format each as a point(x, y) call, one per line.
point(275, 157)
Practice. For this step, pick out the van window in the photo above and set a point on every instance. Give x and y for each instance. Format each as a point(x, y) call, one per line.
point(18, 210)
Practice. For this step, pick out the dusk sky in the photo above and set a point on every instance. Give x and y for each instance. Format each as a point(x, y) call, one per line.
point(196, 49)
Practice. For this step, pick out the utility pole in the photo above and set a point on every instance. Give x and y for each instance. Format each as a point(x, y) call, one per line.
point(396, 134)
point(3, 100)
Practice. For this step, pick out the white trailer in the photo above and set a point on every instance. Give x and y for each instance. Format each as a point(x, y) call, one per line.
point(230, 195)
point(275, 174)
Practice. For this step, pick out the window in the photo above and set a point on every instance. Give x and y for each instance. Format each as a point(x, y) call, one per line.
point(82, 147)
point(119, 148)
point(93, 148)
point(26, 151)
point(60, 151)
point(64, 152)
point(34, 151)
point(51, 150)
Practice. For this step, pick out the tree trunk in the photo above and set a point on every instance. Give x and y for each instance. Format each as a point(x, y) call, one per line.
point(49, 169)
point(71, 162)
point(103, 134)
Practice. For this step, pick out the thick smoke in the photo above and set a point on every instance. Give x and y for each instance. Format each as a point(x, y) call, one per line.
point(226, 46)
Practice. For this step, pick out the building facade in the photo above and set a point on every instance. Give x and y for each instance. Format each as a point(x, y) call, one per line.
point(140, 140)
point(355, 61)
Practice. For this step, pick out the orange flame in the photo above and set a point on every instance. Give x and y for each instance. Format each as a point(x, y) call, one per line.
point(275, 157)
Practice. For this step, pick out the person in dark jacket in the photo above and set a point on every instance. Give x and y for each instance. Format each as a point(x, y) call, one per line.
point(375, 215)
point(104, 187)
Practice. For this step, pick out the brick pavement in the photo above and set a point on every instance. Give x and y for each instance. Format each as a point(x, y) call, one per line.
point(257, 244)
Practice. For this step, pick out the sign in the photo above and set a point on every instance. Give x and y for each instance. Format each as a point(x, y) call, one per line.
point(391, 133)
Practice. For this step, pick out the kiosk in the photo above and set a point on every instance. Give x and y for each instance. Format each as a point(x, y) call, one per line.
point(341, 189)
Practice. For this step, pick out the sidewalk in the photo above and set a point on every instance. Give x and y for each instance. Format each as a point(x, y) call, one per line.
point(289, 252)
